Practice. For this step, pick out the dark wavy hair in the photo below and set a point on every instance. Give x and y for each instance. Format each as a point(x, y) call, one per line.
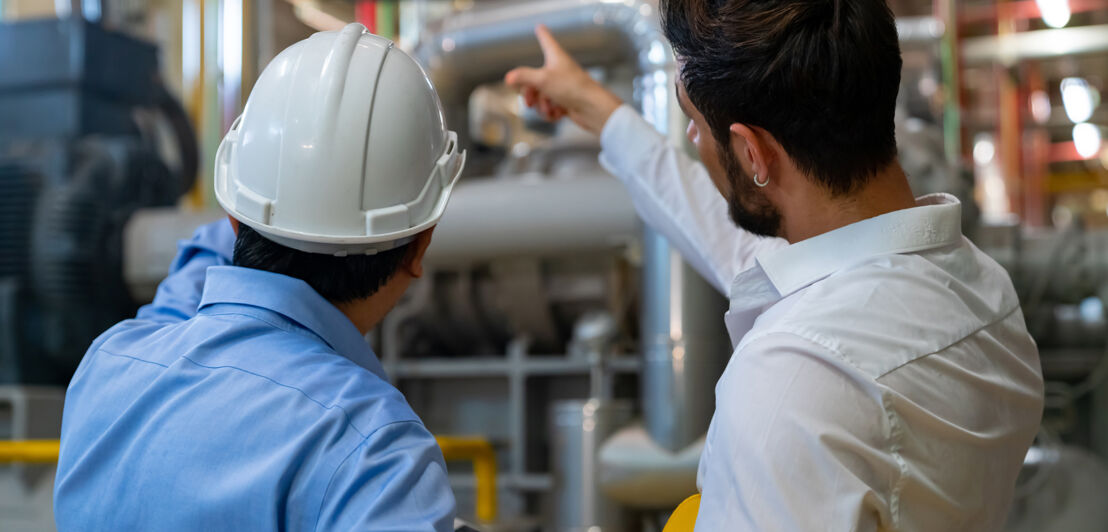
point(821, 76)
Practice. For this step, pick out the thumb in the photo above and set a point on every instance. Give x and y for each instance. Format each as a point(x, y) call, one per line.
point(524, 76)
point(551, 50)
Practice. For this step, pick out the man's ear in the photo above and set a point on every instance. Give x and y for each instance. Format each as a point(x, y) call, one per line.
point(414, 264)
point(234, 224)
point(751, 149)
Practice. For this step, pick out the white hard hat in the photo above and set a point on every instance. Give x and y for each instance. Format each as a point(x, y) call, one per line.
point(341, 148)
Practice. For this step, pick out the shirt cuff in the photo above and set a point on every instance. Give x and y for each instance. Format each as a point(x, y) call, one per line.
point(626, 140)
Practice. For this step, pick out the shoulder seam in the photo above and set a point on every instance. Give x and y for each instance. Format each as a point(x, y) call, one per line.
point(960, 339)
point(837, 353)
point(120, 355)
point(349, 420)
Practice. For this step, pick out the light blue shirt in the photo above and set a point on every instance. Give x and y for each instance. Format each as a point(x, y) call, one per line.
point(242, 400)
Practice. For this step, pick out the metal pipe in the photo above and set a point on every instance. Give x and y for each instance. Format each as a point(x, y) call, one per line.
point(491, 218)
point(29, 451)
point(684, 346)
point(923, 30)
point(636, 471)
point(480, 452)
point(577, 429)
point(479, 46)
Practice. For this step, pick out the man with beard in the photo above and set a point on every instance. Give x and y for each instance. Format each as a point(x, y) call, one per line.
point(883, 377)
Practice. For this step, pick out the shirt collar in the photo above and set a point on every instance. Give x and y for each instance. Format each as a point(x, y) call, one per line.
point(935, 222)
point(294, 300)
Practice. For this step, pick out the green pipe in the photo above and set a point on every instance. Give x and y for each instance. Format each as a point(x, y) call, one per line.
point(952, 113)
point(386, 20)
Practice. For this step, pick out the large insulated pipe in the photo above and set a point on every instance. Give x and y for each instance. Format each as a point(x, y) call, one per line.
point(480, 45)
point(490, 218)
point(682, 328)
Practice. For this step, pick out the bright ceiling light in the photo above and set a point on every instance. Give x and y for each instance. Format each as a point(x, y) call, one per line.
point(1056, 13)
point(983, 150)
point(1077, 98)
point(1086, 138)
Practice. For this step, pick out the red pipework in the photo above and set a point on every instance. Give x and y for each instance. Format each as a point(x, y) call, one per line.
point(365, 12)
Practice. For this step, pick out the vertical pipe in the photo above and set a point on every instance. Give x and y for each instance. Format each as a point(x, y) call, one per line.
point(1008, 107)
point(365, 12)
point(577, 428)
point(684, 346)
point(249, 68)
point(264, 34)
point(683, 338)
point(387, 20)
point(230, 46)
point(1036, 162)
point(209, 119)
point(517, 401)
point(947, 11)
point(193, 79)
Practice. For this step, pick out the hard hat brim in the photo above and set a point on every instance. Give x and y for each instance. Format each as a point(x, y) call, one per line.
point(246, 207)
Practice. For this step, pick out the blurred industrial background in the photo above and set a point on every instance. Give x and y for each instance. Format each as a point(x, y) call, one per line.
point(554, 326)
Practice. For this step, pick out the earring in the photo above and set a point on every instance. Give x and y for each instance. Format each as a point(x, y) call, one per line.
point(760, 183)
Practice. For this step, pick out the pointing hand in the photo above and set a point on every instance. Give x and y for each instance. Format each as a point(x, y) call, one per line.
point(562, 88)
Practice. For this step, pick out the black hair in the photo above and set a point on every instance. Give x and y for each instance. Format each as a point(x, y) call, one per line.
point(337, 279)
point(821, 76)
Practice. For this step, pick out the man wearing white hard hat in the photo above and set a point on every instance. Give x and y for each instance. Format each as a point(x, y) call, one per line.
point(245, 396)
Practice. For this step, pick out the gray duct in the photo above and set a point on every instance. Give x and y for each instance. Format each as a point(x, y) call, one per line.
point(490, 218)
point(683, 339)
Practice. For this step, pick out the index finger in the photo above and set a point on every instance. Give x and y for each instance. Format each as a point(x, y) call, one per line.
point(550, 47)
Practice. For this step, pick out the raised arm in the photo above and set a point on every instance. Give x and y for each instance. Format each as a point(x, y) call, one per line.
point(179, 294)
point(671, 191)
point(674, 195)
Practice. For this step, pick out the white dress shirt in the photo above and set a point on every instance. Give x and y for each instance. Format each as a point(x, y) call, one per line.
point(883, 377)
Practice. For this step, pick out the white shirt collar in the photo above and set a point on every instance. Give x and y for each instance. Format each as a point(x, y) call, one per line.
point(935, 222)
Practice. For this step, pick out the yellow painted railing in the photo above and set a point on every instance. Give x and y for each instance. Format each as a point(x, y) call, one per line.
point(476, 450)
point(29, 451)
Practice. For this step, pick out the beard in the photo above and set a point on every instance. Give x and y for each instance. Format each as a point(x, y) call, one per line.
point(748, 206)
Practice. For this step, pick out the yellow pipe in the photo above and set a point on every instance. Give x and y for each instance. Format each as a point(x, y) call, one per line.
point(478, 451)
point(29, 451)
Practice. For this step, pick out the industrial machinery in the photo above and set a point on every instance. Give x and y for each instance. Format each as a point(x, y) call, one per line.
point(88, 136)
point(550, 321)
point(556, 326)
point(518, 248)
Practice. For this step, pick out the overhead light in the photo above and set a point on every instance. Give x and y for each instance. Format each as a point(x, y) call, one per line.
point(983, 149)
point(1077, 98)
point(1086, 138)
point(1056, 13)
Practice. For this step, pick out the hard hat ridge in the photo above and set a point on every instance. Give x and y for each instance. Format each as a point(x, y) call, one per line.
point(341, 148)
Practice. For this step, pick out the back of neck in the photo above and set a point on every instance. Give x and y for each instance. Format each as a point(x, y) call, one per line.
point(885, 192)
